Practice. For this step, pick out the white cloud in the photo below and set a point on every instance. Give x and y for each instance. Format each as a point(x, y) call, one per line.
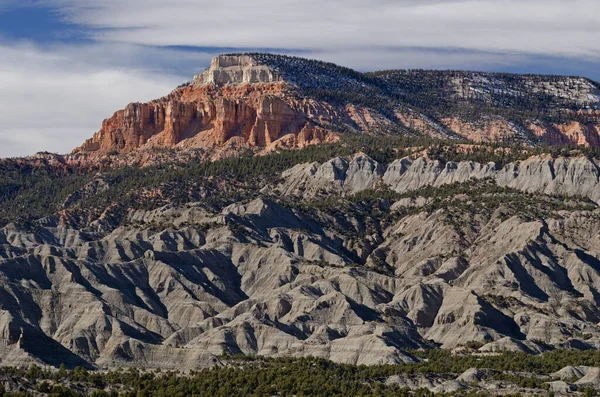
point(369, 59)
point(53, 99)
point(550, 27)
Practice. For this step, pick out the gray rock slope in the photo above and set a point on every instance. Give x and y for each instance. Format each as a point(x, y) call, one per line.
point(578, 176)
point(260, 278)
point(179, 286)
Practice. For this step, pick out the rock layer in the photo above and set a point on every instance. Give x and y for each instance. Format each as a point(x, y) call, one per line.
point(205, 117)
point(579, 176)
point(235, 69)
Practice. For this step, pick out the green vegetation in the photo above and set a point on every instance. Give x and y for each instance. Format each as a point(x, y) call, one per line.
point(470, 96)
point(31, 191)
point(505, 95)
point(466, 207)
point(332, 83)
point(252, 376)
point(461, 202)
point(483, 197)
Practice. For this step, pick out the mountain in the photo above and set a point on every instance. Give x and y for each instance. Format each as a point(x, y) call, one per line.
point(273, 101)
point(185, 232)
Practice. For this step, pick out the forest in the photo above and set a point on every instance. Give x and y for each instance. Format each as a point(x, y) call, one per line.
point(468, 95)
point(29, 192)
point(254, 376)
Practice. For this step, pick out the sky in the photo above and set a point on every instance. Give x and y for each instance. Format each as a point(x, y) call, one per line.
point(65, 65)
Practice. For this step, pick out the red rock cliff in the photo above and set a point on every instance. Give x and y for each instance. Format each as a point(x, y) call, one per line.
point(201, 117)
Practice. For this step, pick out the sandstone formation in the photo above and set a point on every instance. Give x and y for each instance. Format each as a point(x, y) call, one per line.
point(235, 69)
point(207, 117)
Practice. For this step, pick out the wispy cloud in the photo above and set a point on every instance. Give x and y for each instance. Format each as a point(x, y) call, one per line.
point(549, 27)
point(53, 98)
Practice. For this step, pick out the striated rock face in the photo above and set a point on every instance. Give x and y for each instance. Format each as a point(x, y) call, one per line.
point(177, 286)
point(131, 128)
point(205, 117)
point(177, 298)
point(235, 69)
point(235, 102)
point(570, 177)
point(485, 130)
point(561, 176)
point(337, 176)
point(289, 269)
point(573, 133)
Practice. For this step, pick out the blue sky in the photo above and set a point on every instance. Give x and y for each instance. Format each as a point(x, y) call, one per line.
point(68, 64)
point(34, 23)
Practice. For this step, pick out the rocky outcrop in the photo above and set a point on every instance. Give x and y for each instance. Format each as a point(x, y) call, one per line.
point(132, 127)
point(176, 287)
point(337, 176)
point(485, 130)
point(175, 299)
point(570, 373)
point(204, 118)
point(573, 133)
point(579, 176)
point(236, 70)
point(590, 379)
point(570, 177)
